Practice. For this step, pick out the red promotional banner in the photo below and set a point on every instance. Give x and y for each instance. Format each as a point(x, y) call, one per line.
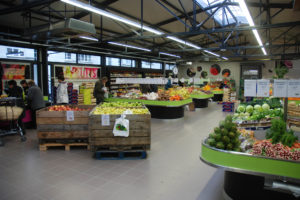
point(72, 72)
point(13, 71)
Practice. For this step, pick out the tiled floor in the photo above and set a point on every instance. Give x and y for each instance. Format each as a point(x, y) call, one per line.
point(171, 171)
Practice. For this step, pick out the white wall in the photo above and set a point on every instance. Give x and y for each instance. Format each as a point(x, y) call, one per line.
point(234, 67)
point(292, 74)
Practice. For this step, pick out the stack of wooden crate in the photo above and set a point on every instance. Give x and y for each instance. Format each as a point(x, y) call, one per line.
point(102, 138)
point(53, 128)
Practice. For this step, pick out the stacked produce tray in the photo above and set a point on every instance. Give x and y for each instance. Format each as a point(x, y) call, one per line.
point(228, 106)
point(101, 137)
point(293, 114)
point(53, 129)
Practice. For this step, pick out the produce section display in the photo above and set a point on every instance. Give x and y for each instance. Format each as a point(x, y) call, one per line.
point(226, 136)
point(116, 108)
point(258, 112)
point(280, 143)
point(66, 108)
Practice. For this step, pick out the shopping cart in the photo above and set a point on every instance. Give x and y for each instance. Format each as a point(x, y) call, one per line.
point(10, 114)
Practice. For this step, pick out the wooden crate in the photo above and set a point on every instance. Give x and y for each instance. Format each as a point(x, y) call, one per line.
point(102, 136)
point(54, 125)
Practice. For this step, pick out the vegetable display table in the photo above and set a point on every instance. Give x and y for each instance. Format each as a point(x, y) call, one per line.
point(201, 101)
point(218, 95)
point(246, 173)
point(160, 109)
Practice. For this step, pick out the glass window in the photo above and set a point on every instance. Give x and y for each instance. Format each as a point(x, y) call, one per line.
point(55, 56)
point(169, 66)
point(156, 65)
point(112, 61)
point(89, 59)
point(146, 65)
point(19, 53)
point(224, 16)
point(126, 63)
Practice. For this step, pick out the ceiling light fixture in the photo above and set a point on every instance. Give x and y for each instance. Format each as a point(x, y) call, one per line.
point(212, 53)
point(126, 21)
point(225, 58)
point(89, 38)
point(129, 46)
point(168, 54)
point(245, 10)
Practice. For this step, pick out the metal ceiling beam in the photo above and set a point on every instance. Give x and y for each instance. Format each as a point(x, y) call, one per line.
point(26, 6)
point(217, 30)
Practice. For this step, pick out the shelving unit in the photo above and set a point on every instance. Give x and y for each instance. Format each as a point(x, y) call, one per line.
point(119, 88)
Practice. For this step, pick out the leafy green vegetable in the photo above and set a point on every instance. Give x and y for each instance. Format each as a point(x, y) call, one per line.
point(278, 133)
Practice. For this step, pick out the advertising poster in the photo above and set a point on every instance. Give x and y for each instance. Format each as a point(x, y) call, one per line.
point(13, 71)
point(75, 72)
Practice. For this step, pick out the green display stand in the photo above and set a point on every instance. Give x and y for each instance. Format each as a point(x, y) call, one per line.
point(218, 92)
point(206, 96)
point(153, 102)
point(249, 164)
point(160, 109)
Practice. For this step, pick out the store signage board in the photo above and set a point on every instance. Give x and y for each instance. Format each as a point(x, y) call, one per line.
point(263, 88)
point(280, 88)
point(70, 115)
point(105, 120)
point(294, 88)
point(250, 88)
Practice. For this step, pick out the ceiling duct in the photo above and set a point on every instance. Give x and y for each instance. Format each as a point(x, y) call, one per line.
point(69, 28)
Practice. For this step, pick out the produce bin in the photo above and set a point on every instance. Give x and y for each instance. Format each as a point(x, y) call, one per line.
point(53, 127)
point(101, 137)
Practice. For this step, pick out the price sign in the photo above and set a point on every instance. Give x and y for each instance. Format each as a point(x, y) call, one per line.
point(105, 120)
point(263, 88)
point(70, 115)
point(250, 88)
point(294, 88)
point(280, 88)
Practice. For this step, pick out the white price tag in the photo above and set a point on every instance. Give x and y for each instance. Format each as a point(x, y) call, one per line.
point(280, 88)
point(250, 88)
point(294, 88)
point(263, 88)
point(105, 120)
point(70, 115)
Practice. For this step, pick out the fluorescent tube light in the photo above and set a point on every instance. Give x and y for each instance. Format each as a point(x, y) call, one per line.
point(225, 58)
point(89, 38)
point(183, 42)
point(128, 46)
point(93, 9)
point(109, 15)
point(251, 23)
point(168, 54)
point(212, 53)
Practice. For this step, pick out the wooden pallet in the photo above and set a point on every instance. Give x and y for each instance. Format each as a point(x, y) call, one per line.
point(121, 155)
point(45, 146)
point(119, 148)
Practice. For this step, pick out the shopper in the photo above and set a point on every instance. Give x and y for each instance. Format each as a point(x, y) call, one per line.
point(24, 86)
point(62, 96)
point(100, 90)
point(169, 84)
point(16, 91)
point(35, 100)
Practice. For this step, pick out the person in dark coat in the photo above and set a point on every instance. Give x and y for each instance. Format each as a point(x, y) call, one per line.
point(100, 90)
point(35, 100)
point(24, 86)
point(16, 91)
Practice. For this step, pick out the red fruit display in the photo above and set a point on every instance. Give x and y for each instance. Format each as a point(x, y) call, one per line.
point(65, 108)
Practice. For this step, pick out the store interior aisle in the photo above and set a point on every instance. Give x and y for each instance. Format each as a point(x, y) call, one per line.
point(171, 171)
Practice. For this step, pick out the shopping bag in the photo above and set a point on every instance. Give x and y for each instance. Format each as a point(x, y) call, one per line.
point(121, 127)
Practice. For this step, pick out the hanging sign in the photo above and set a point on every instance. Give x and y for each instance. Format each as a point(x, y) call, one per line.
point(263, 88)
point(294, 88)
point(280, 88)
point(250, 88)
